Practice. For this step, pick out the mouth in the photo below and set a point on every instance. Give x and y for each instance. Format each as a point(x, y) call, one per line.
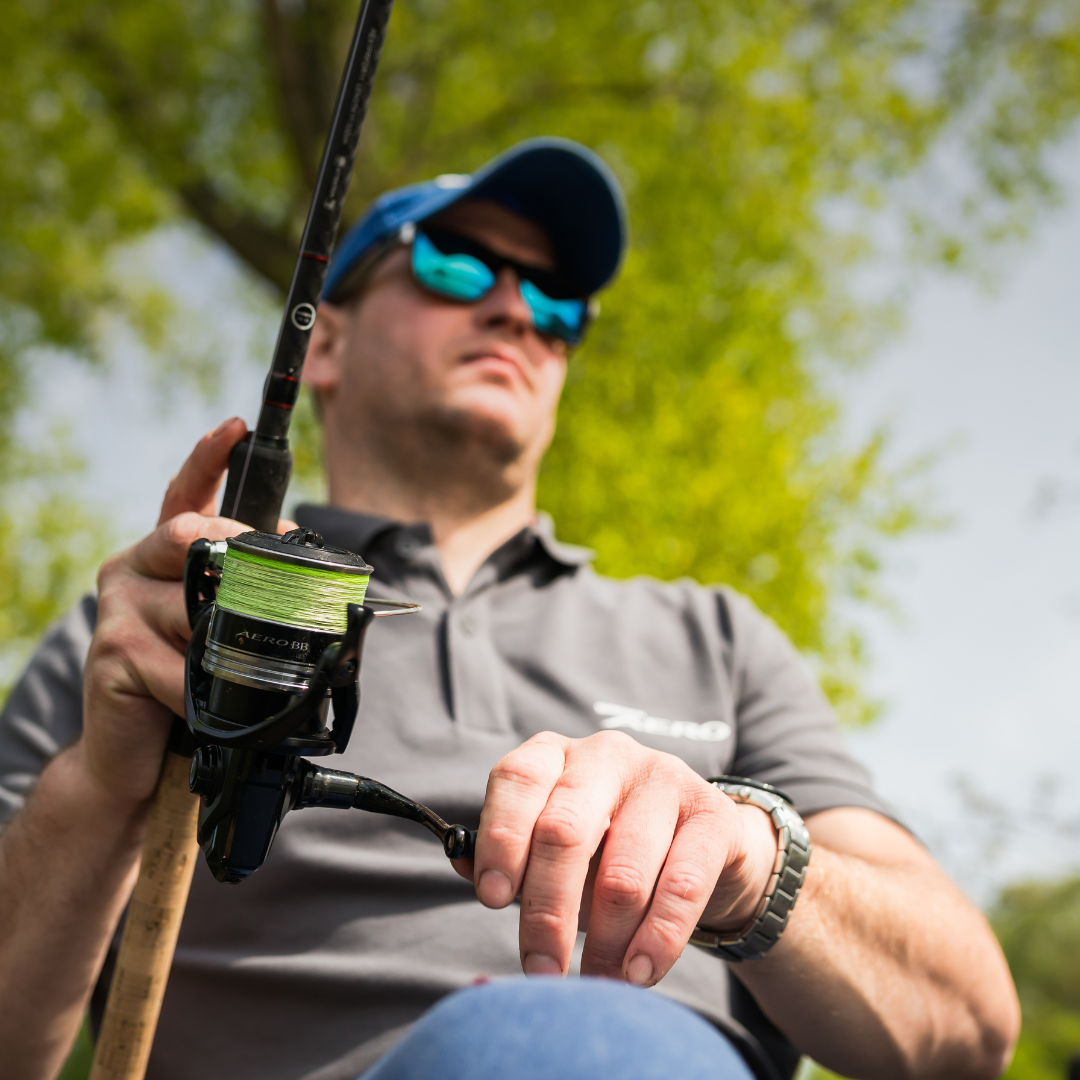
point(499, 363)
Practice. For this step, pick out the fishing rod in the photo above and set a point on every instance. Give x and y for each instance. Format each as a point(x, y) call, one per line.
point(260, 465)
point(278, 626)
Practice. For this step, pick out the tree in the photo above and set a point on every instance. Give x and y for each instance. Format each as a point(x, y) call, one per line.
point(760, 144)
point(1038, 925)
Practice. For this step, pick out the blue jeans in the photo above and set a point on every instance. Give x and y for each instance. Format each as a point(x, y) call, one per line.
point(557, 1029)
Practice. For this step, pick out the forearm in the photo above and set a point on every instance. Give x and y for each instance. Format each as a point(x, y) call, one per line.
point(67, 865)
point(888, 971)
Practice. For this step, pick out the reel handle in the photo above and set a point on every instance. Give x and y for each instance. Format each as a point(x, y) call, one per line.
point(153, 925)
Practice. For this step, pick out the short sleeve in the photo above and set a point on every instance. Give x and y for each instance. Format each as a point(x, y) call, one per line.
point(786, 729)
point(44, 712)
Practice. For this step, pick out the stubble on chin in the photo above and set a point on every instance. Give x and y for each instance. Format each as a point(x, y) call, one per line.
point(467, 451)
point(464, 433)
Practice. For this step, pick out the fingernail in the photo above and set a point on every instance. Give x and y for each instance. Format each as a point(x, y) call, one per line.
point(221, 427)
point(640, 970)
point(494, 889)
point(538, 964)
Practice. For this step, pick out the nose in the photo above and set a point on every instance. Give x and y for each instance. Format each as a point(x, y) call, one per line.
point(504, 308)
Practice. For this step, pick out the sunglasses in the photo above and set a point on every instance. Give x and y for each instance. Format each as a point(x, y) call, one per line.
point(458, 268)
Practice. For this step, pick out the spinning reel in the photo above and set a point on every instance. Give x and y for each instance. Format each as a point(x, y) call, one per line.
point(277, 632)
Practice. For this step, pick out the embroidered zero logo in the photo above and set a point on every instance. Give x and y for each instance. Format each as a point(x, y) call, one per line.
point(303, 316)
point(622, 716)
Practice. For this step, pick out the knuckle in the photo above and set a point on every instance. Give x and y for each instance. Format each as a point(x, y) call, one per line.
point(621, 885)
point(701, 798)
point(504, 836)
point(112, 570)
point(687, 884)
point(182, 530)
point(541, 920)
point(119, 602)
point(560, 827)
point(671, 933)
point(614, 742)
point(521, 770)
point(116, 641)
point(549, 738)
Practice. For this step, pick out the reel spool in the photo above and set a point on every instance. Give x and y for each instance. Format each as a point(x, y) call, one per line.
point(278, 626)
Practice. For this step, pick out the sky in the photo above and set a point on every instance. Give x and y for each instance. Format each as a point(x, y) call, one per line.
point(980, 675)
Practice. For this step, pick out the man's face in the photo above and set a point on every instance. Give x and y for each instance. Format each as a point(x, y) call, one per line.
point(401, 362)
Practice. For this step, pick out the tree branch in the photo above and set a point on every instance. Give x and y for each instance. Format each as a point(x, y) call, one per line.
point(301, 118)
point(269, 252)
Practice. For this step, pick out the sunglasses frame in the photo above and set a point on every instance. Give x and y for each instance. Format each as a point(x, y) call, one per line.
point(406, 235)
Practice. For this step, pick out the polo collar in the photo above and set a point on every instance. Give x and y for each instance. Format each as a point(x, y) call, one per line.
point(356, 532)
point(344, 528)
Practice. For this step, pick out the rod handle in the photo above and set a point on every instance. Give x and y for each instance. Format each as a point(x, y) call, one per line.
point(153, 924)
point(259, 473)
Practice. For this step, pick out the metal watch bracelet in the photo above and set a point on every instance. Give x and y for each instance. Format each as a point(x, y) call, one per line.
point(792, 857)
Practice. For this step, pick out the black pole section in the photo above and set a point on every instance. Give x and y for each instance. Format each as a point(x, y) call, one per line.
point(260, 465)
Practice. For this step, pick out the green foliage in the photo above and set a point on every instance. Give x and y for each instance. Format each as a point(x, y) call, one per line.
point(49, 544)
point(759, 144)
point(77, 1066)
point(812, 1071)
point(1038, 925)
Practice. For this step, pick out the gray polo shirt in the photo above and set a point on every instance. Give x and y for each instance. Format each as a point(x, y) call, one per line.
point(357, 923)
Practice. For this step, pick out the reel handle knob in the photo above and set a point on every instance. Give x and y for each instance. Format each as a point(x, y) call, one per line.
point(459, 843)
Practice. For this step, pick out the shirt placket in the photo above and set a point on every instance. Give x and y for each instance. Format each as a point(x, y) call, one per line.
point(478, 686)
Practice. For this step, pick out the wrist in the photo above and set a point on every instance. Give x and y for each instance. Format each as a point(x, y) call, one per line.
point(793, 851)
point(742, 885)
point(72, 784)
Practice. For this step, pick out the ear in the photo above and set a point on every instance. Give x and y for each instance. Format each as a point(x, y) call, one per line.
point(326, 349)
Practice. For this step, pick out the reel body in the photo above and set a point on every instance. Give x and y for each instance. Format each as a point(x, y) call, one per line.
point(257, 691)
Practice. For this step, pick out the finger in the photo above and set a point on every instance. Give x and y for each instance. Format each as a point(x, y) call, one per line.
point(286, 525)
point(133, 663)
point(635, 849)
point(517, 791)
point(162, 553)
point(587, 889)
point(194, 487)
point(699, 852)
point(465, 868)
point(137, 601)
point(565, 837)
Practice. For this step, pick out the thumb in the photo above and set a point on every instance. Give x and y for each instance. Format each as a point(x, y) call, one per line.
point(195, 486)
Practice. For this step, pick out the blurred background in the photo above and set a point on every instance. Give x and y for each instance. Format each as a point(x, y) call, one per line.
point(839, 371)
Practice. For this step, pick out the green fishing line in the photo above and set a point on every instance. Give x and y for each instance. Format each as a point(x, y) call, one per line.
point(288, 593)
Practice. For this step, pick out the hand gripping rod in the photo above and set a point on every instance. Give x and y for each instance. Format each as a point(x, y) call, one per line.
point(259, 471)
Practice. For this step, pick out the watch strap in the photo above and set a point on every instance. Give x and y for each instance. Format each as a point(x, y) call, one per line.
point(789, 871)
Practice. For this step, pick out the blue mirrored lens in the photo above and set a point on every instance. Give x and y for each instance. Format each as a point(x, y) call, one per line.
point(460, 277)
point(563, 318)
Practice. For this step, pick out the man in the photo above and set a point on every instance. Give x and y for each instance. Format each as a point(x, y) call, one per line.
point(438, 359)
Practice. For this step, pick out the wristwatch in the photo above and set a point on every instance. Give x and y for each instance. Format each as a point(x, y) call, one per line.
point(792, 857)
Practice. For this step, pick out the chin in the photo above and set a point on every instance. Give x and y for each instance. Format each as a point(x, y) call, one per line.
point(493, 426)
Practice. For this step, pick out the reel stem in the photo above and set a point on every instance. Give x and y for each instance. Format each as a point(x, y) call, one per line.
point(332, 788)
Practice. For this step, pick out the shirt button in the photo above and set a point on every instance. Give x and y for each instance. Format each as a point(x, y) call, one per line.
point(467, 627)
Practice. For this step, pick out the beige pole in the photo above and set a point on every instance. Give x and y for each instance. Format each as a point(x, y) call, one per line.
point(153, 924)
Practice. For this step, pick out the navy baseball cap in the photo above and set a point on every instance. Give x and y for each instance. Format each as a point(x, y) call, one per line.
point(559, 184)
